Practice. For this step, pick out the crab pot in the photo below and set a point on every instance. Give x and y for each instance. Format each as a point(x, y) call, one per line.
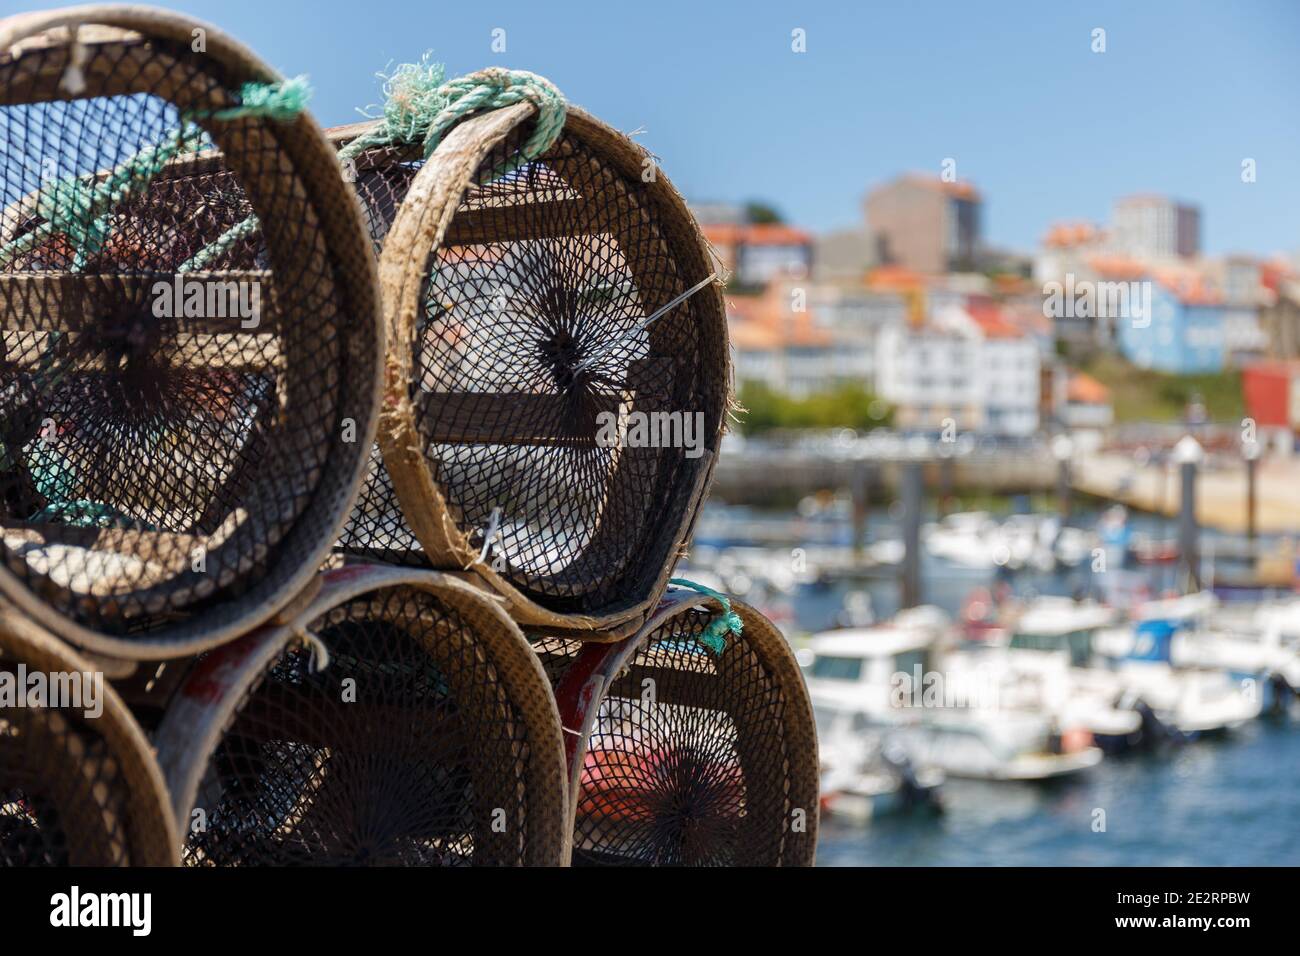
point(429, 738)
point(184, 421)
point(518, 300)
point(78, 782)
point(679, 756)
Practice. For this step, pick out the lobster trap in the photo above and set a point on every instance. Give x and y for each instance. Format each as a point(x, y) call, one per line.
point(78, 782)
point(683, 751)
point(190, 351)
point(557, 374)
point(400, 720)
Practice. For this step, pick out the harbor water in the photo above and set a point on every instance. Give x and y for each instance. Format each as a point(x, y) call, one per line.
point(1229, 800)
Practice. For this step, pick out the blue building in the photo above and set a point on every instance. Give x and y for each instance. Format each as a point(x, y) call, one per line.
point(1184, 331)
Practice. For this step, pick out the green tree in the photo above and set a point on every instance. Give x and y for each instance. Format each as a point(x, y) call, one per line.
point(844, 406)
point(1140, 394)
point(761, 212)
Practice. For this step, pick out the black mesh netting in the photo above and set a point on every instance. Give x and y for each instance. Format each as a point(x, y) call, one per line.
point(689, 761)
point(63, 798)
point(533, 336)
point(164, 423)
point(376, 528)
point(406, 750)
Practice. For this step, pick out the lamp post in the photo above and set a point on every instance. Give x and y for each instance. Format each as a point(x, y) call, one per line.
point(947, 466)
point(1250, 451)
point(1063, 452)
point(1189, 454)
point(911, 489)
point(860, 488)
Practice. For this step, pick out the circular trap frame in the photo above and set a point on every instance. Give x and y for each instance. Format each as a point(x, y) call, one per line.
point(681, 755)
point(79, 785)
point(400, 720)
point(558, 371)
point(185, 411)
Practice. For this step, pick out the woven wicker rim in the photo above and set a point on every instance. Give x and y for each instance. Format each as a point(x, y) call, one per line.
point(801, 730)
point(420, 224)
point(342, 226)
point(196, 720)
point(151, 828)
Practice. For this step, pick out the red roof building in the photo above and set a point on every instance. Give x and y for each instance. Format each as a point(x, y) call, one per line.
point(758, 253)
point(1272, 394)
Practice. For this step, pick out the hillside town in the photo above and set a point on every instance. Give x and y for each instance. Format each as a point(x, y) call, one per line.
point(917, 309)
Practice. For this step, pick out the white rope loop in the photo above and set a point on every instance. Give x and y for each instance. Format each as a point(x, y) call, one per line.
point(320, 654)
point(73, 81)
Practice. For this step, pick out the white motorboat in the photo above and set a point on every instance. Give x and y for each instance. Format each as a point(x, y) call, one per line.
point(868, 774)
point(1260, 643)
point(1044, 663)
point(883, 680)
point(1153, 664)
point(993, 744)
point(976, 541)
point(965, 539)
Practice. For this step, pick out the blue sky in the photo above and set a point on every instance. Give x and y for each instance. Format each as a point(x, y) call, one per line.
point(1045, 127)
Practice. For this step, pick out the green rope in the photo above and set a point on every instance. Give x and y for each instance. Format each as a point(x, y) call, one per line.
point(214, 250)
point(277, 101)
point(421, 106)
point(714, 637)
point(283, 101)
point(413, 99)
point(85, 513)
point(494, 89)
point(80, 207)
point(53, 477)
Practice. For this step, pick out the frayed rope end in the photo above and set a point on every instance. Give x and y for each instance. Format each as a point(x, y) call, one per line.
point(714, 636)
point(283, 100)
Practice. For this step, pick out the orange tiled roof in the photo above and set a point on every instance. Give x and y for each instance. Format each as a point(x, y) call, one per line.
point(756, 234)
point(1028, 318)
point(894, 279)
point(1008, 283)
point(1118, 267)
point(768, 322)
point(721, 233)
point(992, 321)
point(1086, 390)
point(776, 234)
point(1063, 235)
point(1273, 274)
point(752, 336)
point(1189, 287)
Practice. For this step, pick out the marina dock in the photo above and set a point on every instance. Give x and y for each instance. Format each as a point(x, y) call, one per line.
point(1221, 492)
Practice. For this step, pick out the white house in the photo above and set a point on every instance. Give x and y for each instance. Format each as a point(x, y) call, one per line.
point(970, 365)
point(778, 341)
point(854, 317)
point(929, 375)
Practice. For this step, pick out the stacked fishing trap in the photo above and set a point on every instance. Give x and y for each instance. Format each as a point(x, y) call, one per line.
point(174, 460)
point(399, 719)
point(541, 279)
point(344, 455)
point(79, 785)
point(692, 741)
